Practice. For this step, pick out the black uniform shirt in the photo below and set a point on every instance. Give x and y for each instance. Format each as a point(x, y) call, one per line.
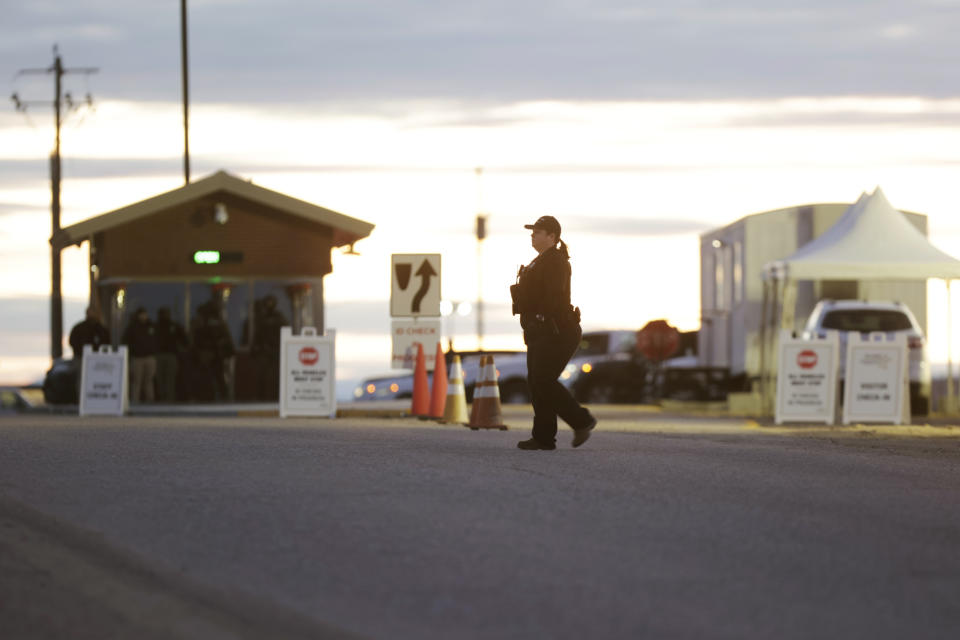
point(141, 337)
point(543, 286)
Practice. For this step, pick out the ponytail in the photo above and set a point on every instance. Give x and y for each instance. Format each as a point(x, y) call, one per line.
point(563, 249)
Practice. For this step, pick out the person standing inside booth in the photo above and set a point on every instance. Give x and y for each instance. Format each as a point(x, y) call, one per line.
point(141, 338)
point(551, 331)
point(266, 349)
point(171, 345)
point(212, 347)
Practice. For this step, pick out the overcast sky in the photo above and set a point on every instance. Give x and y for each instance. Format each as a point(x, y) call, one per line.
point(495, 51)
point(635, 122)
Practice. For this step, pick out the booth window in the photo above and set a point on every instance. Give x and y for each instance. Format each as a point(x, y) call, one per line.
point(720, 280)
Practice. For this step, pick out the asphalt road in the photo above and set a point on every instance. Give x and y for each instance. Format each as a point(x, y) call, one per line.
point(657, 528)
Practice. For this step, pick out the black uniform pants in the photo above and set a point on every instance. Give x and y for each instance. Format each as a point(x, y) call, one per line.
point(546, 358)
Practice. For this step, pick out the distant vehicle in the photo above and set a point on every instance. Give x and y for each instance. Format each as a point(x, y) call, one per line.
point(61, 384)
point(12, 400)
point(683, 378)
point(511, 376)
point(605, 368)
point(864, 316)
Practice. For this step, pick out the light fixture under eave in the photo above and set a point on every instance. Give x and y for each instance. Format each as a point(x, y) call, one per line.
point(350, 251)
point(220, 214)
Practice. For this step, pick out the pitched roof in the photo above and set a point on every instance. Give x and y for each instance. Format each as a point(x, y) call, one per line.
point(346, 229)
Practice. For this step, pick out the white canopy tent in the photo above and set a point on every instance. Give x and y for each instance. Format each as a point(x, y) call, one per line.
point(870, 241)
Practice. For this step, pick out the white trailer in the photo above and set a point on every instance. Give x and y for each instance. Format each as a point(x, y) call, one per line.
point(731, 285)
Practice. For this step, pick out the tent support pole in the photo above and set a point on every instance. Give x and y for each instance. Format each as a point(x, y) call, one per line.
point(951, 399)
point(763, 343)
point(773, 322)
point(763, 354)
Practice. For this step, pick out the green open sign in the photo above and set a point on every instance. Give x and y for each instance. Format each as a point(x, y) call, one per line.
point(206, 257)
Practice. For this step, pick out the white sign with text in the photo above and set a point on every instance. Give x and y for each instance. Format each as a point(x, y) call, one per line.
point(103, 381)
point(877, 384)
point(307, 373)
point(406, 334)
point(807, 379)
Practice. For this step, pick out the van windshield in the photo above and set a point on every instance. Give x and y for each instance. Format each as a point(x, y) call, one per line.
point(865, 320)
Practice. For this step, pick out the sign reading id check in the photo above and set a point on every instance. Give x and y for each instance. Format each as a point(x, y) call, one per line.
point(407, 334)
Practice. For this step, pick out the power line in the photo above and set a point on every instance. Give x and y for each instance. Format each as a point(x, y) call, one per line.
point(185, 80)
point(59, 100)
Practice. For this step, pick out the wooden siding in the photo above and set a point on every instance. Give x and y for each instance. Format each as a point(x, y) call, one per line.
point(273, 243)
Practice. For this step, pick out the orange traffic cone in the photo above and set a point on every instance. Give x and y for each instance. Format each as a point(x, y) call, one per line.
point(456, 409)
point(438, 397)
point(485, 412)
point(421, 388)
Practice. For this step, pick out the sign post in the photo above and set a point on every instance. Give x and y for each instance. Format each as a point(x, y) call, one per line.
point(807, 379)
point(877, 384)
point(103, 381)
point(307, 373)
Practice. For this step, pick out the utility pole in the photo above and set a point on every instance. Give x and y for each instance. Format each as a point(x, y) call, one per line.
point(56, 299)
point(184, 71)
point(481, 234)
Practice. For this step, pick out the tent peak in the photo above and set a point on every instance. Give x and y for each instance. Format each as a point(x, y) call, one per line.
point(871, 240)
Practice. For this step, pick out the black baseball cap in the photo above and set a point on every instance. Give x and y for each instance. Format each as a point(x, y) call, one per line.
point(547, 223)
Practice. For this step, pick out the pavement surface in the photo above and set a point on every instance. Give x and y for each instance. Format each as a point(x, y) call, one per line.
point(659, 527)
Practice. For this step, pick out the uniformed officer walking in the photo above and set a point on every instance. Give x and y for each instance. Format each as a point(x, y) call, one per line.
point(551, 331)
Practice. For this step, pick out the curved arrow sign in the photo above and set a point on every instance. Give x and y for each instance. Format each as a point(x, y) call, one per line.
point(425, 272)
point(415, 285)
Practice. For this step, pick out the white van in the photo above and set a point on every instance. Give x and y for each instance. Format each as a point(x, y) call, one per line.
point(865, 316)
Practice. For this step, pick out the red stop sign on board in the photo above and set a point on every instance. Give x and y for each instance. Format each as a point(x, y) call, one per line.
point(658, 340)
point(309, 356)
point(807, 359)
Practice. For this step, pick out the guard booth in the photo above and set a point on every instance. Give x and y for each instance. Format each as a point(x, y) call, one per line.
point(226, 257)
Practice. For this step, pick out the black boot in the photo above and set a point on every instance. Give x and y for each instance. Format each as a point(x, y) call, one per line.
point(533, 445)
point(582, 435)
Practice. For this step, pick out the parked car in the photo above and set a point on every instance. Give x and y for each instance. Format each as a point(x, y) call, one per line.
point(511, 369)
point(61, 383)
point(846, 316)
point(605, 368)
point(12, 400)
point(683, 378)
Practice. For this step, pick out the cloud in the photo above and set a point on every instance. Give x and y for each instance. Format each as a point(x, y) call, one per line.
point(25, 337)
point(850, 118)
point(497, 51)
point(635, 226)
point(8, 208)
point(23, 315)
